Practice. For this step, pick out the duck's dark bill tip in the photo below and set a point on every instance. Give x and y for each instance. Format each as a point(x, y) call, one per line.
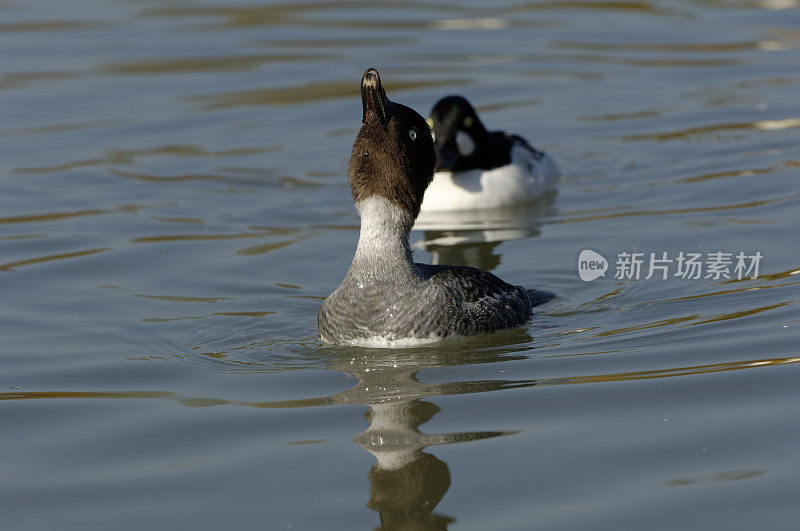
point(373, 97)
point(371, 79)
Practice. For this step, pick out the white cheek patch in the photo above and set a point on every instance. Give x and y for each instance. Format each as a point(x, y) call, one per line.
point(465, 144)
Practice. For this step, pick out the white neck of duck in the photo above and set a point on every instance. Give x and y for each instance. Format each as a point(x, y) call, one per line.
point(383, 243)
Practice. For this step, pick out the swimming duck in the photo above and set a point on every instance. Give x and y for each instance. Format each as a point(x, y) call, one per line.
point(385, 299)
point(478, 169)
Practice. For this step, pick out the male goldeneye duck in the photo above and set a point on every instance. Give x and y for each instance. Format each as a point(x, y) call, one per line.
point(387, 300)
point(476, 169)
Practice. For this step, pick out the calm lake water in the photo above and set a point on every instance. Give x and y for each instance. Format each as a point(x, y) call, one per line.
point(174, 208)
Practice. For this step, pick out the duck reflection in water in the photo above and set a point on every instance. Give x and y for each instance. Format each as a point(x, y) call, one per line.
point(406, 482)
point(470, 237)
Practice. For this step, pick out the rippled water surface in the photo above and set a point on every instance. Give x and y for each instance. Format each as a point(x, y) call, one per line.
point(174, 208)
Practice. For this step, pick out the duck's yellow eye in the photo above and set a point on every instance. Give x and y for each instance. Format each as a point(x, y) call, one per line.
point(468, 121)
point(429, 121)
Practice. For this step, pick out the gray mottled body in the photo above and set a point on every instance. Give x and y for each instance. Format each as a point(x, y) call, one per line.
point(386, 299)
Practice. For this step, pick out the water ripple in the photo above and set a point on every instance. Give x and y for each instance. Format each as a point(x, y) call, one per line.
point(423, 389)
point(11, 266)
point(308, 92)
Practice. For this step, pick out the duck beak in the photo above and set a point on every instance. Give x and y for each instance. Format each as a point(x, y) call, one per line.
point(374, 102)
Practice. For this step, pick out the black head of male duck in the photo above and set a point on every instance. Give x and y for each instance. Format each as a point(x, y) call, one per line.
point(462, 141)
point(393, 155)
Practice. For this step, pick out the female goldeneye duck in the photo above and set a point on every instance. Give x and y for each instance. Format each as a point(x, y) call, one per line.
point(387, 300)
point(476, 169)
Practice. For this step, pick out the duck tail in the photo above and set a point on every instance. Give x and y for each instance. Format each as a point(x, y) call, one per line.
point(539, 296)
